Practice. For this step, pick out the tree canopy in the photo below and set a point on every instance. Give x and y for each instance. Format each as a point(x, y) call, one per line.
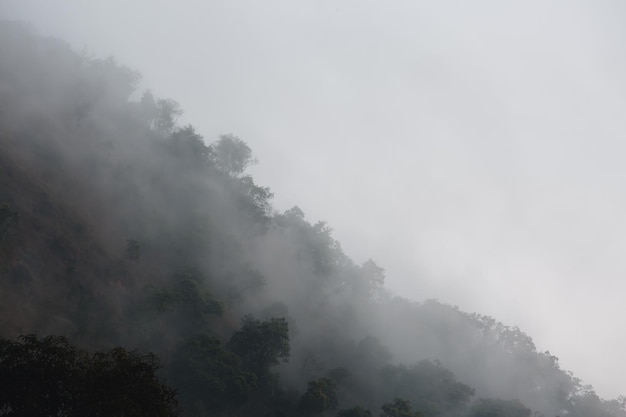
point(51, 377)
point(261, 344)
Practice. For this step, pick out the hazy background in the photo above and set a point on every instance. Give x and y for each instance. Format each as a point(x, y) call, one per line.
point(473, 149)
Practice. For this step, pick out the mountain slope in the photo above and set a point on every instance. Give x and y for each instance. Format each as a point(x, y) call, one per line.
point(120, 227)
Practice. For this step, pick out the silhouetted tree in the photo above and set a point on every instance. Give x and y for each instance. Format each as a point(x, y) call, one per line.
point(399, 408)
point(261, 344)
point(209, 377)
point(167, 113)
point(51, 377)
point(186, 144)
point(320, 396)
point(188, 295)
point(232, 155)
point(430, 387)
point(489, 407)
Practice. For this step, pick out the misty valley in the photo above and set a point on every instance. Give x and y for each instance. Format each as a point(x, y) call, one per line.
point(143, 271)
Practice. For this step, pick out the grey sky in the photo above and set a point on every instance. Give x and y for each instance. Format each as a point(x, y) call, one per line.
point(473, 149)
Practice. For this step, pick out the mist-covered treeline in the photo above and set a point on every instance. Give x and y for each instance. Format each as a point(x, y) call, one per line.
point(120, 227)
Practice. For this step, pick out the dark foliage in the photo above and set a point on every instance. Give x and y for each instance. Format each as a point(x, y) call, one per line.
point(320, 396)
point(209, 377)
point(261, 344)
point(499, 408)
point(51, 377)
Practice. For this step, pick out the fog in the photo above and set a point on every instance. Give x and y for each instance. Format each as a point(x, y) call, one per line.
point(473, 150)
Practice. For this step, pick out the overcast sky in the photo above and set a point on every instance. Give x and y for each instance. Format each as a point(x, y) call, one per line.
point(475, 150)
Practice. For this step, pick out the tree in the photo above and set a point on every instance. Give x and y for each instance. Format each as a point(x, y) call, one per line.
point(113, 81)
point(209, 376)
point(232, 155)
point(188, 295)
point(320, 396)
point(167, 113)
point(488, 407)
point(431, 388)
point(261, 344)
point(399, 408)
point(357, 411)
point(258, 198)
point(129, 384)
point(371, 279)
point(49, 376)
point(187, 145)
point(147, 107)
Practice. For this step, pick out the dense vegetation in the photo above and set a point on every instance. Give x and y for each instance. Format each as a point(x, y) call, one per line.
point(50, 377)
point(119, 227)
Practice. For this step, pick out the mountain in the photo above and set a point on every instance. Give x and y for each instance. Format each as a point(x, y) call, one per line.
point(120, 227)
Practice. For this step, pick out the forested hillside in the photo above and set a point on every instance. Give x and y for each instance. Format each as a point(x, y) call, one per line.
point(119, 227)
